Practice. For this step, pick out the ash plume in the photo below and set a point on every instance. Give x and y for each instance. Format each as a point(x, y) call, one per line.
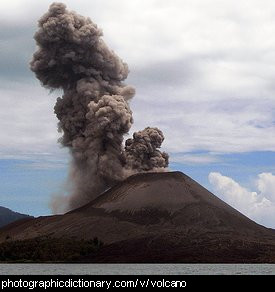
point(142, 152)
point(93, 113)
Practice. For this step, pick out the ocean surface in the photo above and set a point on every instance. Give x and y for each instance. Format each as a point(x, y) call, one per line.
point(137, 269)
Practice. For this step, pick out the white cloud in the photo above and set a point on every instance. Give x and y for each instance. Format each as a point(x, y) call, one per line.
point(192, 159)
point(28, 125)
point(225, 127)
point(258, 205)
point(266, 186)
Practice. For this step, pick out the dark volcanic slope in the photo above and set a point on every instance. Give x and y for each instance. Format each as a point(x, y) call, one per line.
point(156, 197)
point(7, 216)
point(158, 217)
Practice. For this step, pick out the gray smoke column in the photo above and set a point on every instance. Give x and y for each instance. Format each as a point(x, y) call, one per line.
point(93, 112)
point(142, 152)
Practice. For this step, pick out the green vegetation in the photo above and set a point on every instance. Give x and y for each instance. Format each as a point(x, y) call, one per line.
point(46, 249)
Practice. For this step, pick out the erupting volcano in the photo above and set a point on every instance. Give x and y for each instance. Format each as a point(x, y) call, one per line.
point(122, 195)
point(94, 112)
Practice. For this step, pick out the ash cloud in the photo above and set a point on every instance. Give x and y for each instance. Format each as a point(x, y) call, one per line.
point(142, 152)
point(93, 113)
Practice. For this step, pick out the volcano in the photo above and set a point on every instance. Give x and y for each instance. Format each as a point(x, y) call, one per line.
point(157, 217)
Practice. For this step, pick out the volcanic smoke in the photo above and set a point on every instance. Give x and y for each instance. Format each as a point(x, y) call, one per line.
point(94, 112)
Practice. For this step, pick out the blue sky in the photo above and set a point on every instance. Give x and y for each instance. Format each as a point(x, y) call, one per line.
point(204, 73)
point(26, 188)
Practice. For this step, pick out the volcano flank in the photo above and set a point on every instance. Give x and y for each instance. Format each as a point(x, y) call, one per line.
point(156, 217)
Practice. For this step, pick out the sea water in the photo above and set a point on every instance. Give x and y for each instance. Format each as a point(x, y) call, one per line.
point(137, 269)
